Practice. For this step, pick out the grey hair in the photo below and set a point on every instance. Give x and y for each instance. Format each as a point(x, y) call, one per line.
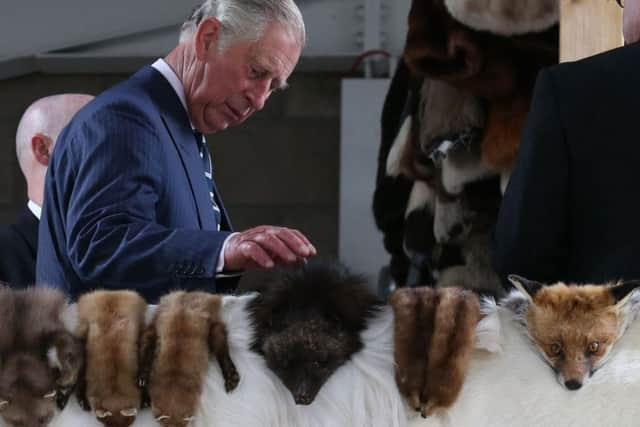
point(246, 19)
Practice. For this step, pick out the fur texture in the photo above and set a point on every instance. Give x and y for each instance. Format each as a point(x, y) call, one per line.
point(111, 324)
point(176, 348)
point(434, 339)
point(574, 327)
point(446, 110)
point(505, 17)
point(515, 387)
point(27, 391)
point(507, 388)
point(414, 310)
point(501, 140)
point(361, 393)
point(40, 359)
point(308, 324)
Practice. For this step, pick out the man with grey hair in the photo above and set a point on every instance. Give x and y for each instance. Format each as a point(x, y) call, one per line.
point(131, 202)
point(37, 132)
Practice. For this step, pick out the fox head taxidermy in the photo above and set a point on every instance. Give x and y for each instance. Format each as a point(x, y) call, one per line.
point(574, 327)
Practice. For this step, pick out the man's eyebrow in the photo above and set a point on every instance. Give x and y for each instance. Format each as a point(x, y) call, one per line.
point(268, 66)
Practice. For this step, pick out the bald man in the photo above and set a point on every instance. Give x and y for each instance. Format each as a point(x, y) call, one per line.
point(37, 132)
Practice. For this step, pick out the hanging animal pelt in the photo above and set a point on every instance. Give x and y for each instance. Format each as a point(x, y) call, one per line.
point(528, 384)
point(40, 359)
point(510, 385)
point(505, 17)
point(176, 349)
point(110, 323)
point(492, 66)
point(434, 339)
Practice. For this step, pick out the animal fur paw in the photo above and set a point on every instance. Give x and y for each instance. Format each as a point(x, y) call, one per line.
point(84, 403)
point(62, 398)
point(231, 381)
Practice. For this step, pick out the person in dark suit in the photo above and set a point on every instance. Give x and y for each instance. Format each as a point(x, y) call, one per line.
point(569, 212)
point(37, 132)
point(130, 199)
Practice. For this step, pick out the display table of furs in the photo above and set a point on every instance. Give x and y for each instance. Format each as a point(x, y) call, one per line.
point(317, 348)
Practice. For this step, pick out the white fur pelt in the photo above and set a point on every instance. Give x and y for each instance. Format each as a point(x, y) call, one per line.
point(505, 17)
point(362, 393)
point(517, 388)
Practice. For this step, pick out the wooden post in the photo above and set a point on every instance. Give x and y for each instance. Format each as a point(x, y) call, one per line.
point(588, 27)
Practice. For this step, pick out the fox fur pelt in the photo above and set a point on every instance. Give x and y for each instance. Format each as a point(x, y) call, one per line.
point(516, 388)
point(512, 387)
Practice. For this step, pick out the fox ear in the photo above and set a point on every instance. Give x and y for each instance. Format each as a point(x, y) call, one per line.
point(529, 288)
point(623, 291)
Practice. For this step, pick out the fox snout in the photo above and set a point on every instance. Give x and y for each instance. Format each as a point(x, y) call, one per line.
point(573, 384)
point(574, 377)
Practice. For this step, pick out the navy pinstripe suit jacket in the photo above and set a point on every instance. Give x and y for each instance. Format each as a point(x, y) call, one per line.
point(126, 202)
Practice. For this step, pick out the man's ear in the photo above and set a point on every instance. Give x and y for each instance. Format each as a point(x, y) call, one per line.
point(42, 147)
point(207, 36)
point(529, 288)
point(623, 291)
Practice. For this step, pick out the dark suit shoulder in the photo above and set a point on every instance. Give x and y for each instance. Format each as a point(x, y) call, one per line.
point(17, 260)
point(610, 69)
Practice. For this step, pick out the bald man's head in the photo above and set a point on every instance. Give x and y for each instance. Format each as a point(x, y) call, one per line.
point(37, 132)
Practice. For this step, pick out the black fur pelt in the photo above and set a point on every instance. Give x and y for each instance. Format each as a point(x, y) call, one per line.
point(307, 323)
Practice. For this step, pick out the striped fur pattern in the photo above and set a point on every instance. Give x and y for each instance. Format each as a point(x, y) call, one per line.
point(176, 346)
point(434, 340)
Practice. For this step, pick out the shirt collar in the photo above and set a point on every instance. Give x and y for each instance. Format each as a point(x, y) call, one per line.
point(167, 72)
point(34, 208)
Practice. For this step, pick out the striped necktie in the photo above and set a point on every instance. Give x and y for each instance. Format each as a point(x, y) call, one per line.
point(208, 173)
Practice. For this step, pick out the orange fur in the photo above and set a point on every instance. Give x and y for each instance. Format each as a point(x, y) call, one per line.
point(575, 328)
point(111, 324)
point(501, 140)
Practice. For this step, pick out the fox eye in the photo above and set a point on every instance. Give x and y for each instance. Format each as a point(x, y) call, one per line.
point(594, 347)
point(555, 349)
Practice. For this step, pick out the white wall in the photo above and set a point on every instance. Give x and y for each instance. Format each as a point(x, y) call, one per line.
point(359, 241)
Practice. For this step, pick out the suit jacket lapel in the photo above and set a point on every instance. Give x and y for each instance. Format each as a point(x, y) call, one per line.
point(177, 123)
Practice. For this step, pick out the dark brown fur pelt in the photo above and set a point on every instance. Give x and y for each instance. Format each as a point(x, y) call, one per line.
point(434, 338)
point(456, 317)
point(176, 348)
point(487, 65)
point(413, 310)
point(111, 323)
point(34, 337)
point(308, 324)
point(27, 391)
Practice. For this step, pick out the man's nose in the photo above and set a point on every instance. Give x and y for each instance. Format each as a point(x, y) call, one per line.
point(259, 94)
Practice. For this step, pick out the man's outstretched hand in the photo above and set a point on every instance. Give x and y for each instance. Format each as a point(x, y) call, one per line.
point(265, 247)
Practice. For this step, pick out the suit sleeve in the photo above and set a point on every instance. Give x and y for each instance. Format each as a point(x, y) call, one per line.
point(530, 237)
point(113, 235)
